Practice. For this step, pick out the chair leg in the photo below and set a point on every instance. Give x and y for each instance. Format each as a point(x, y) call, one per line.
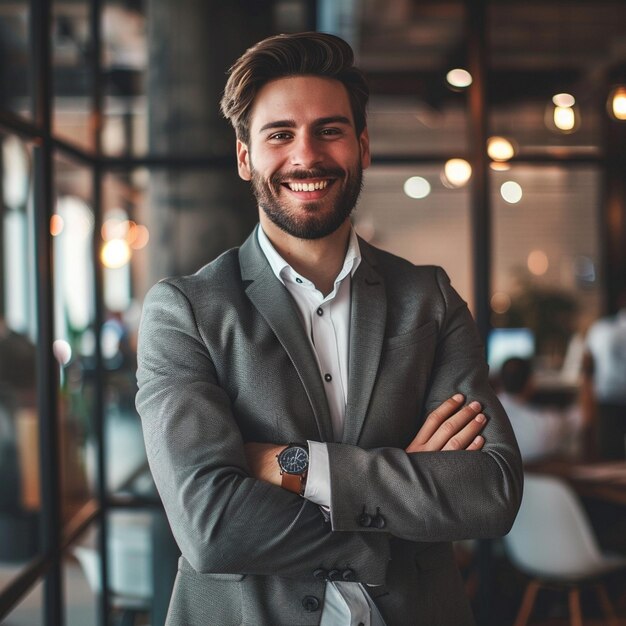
point(607, 606)
point(528, 603)
point(576, 616)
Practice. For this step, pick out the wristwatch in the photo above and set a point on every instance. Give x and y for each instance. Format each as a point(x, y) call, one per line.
point(294, 464)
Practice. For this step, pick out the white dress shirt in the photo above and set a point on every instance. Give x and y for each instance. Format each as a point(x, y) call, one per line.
point(326, 320)
point(606, 340)
point(543, 432)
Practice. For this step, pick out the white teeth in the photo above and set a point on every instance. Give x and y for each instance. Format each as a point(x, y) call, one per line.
point(308, 186)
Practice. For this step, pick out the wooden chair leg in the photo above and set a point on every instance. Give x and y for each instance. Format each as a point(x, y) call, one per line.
point(607, 606)
point(528, 603)
point(576, 616)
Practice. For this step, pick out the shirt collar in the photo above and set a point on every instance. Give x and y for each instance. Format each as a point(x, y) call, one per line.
point(280, 267)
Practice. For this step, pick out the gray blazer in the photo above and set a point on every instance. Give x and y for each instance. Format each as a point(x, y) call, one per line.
point(223, 359)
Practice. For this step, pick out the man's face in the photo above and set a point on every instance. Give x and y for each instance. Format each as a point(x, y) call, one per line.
point(304, 158)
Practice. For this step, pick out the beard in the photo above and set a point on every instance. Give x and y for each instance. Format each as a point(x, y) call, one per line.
point(309, 220)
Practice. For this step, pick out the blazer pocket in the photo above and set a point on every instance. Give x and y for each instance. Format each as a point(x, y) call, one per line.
point(184, 566)
point(406, 339)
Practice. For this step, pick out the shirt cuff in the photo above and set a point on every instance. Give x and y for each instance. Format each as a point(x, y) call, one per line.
point(317, 488)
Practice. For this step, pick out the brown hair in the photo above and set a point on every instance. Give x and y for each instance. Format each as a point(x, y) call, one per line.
point(310, 53)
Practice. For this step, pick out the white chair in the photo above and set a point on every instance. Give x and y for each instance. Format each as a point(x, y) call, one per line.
point(553, 542)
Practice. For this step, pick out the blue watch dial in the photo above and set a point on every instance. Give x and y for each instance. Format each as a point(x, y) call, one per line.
point(294, 460)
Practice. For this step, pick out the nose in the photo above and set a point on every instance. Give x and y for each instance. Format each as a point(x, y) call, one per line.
point(307, 151)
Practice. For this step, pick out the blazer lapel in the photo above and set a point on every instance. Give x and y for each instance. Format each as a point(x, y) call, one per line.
point(272, 300)
point(367, 330)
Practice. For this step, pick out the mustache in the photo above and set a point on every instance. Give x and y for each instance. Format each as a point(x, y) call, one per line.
point(317, 172)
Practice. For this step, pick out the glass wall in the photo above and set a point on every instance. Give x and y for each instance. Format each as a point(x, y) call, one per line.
point(20, 496)
point(16, 74)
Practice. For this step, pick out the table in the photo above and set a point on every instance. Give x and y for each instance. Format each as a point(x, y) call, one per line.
point(601, 480)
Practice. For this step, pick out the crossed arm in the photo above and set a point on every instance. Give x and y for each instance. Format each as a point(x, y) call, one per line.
point(451, 426)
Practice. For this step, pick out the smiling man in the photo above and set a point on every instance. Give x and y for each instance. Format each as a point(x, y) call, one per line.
point(316, 412)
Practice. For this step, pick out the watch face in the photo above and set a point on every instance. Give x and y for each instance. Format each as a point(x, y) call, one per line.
point(294, 460)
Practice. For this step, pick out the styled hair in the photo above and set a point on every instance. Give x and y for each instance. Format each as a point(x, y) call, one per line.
point(280, 56)
point(515, 374)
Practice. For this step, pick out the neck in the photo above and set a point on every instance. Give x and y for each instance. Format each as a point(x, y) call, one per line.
point(318, 260)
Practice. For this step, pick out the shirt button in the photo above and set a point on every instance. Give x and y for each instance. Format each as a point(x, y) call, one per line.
point(298, 280)
point(310, 603)
point(320, 311)
point(327, 377)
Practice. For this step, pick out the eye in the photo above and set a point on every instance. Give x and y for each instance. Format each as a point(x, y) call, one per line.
point(280, 136)
point(330, 132)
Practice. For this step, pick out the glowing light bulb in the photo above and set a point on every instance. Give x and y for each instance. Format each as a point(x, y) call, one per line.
point(500, 148)
point(459, 78)
point(564, 118)
point(416, 187)
point(511, 191)
point(456, 173)
point(115, 253)
point(617, 103)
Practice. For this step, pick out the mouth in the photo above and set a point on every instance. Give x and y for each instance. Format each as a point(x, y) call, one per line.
point(311, 189)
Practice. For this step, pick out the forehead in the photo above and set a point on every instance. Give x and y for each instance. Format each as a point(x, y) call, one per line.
point(301, 99)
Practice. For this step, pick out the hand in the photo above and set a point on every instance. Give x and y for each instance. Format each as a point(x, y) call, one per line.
point(262, 461)
point(451, 426)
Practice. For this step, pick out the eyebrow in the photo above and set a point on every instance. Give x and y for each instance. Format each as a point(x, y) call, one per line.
point(322, 121)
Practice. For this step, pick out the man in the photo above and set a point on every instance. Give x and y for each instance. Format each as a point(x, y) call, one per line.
point(541, 432)
point(605, 364)
point(284, 388)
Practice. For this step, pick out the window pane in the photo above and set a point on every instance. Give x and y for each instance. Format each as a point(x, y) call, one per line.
point(81, 581)
point(432, 230)
point(74, 338)
point(125, 62)
point(15, 58)
point(19, 441)
point(406, 51)
point(125, 245)
point(72, 79)
point(546, 255)
point(29, 612)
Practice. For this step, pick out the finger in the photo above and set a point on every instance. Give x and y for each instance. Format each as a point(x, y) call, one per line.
point(477, 444)
point(467, 436)
point(453, 426)
point(436, 419)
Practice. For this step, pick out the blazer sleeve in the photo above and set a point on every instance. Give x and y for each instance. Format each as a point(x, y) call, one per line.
point(223, 520)
point(437, 496)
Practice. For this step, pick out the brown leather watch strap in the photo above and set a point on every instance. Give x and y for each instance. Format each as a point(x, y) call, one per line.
point(293, 482)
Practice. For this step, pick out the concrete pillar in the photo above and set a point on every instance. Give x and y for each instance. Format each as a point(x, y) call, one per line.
point(195, 214)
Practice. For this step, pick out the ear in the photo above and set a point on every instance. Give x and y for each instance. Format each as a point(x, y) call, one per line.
point(243, 160)
point(364, 143)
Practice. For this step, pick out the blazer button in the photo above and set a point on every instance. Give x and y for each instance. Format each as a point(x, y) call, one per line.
point(310, 603)
point(379, 522)
point(347, 575)
point(320, 574)
point(334, 574)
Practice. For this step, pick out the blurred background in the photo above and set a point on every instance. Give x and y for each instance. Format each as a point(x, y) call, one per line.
point(498, 133)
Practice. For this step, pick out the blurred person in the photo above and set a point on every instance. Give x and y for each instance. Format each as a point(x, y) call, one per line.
point(541, 431)
point(316, 411)
point(605, 365)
